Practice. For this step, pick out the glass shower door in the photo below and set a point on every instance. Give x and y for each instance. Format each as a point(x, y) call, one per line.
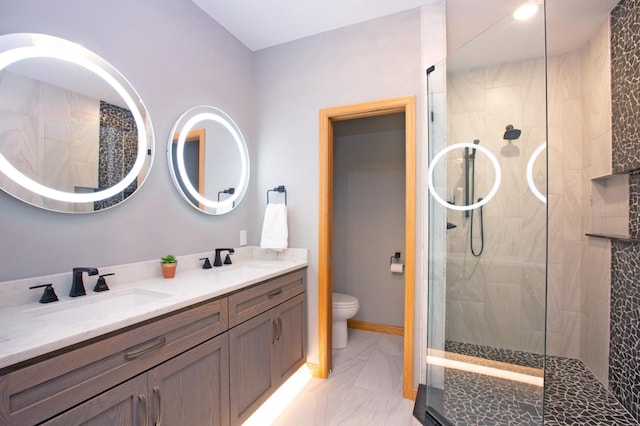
point(488, 229)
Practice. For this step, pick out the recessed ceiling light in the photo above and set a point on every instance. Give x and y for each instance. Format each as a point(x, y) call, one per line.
point(525, 11)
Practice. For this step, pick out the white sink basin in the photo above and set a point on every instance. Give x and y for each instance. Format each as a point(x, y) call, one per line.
point(96, 306)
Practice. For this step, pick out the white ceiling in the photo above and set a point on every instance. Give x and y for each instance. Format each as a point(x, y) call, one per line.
point(264, 23)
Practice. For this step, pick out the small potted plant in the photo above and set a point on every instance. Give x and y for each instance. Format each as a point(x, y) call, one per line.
point(168, 264)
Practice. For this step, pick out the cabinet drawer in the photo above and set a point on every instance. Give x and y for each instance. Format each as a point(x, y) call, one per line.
point(255, 300)
point(37, 392)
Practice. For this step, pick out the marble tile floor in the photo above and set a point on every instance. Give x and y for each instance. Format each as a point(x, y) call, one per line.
point(365, 387)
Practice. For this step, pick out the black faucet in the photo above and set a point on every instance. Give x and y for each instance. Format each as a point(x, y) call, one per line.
point(77, 286)
point(218, 261)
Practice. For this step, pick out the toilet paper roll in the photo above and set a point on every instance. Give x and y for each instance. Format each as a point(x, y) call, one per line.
point(397, 268)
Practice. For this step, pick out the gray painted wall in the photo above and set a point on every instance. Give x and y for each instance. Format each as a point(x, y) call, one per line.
point(374, 60)
point(176, 57)
point(369, 215)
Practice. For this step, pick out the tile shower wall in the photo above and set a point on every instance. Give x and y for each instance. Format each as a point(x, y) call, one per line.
point(595, 276)
point(509, 226)
point(624, 353)
point(118, 150)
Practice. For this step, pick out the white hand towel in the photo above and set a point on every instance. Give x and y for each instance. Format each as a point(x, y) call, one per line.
point(275, 233)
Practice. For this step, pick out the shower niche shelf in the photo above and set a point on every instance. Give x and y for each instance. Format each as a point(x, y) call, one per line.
point(610, 207)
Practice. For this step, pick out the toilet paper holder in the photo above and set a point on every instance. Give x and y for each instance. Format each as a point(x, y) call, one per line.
point(395, 258)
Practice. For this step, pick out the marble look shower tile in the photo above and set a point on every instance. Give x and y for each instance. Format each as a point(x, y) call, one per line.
point(597, 77)
point(572, 206)
point(534, 110)
point(504, 241)
point(555, 91)
point(595, 351)
point(465, 322)
point(504, 75)
point(534, 245)
point(533, 340)
point(555, 237)
point(555, 158)
point(571, 75)
point(570, 345)
point(533, 298)
point(465, 91)
point(571, 276)
point(465, 279)
point(506, 272)
point(554, 298)
point(601, 155)
point(596, 271)
point(465, 127)
point(502, 314)
point(572, 135)
point(503, 106)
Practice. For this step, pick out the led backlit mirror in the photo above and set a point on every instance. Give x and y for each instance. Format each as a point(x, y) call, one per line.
point(208, 160)
point(74, 135)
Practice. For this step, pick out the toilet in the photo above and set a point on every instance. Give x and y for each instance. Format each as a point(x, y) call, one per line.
point(344, 307)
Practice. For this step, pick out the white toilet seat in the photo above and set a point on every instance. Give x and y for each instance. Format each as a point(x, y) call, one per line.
point(344, 301)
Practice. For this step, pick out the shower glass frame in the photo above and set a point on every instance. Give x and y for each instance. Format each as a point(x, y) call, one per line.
point(486, 333)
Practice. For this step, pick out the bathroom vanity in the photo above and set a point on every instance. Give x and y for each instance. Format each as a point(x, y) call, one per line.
point(207, 348)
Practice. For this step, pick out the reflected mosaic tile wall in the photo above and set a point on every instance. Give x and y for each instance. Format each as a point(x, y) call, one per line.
point(118, 149)
point(625, 86)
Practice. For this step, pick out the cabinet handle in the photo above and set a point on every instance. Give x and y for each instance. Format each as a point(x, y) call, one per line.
point(274, 332)
point(156, 390)
point(140, 352)
point(274, 293)
point(279, 328)
point(143, 404)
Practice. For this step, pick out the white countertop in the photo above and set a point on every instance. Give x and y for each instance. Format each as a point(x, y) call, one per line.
point(31, 329)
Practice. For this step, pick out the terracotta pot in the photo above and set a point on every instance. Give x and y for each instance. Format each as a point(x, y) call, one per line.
point(169, 269)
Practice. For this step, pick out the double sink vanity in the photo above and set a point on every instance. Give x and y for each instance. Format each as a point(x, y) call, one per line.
point(205, 348)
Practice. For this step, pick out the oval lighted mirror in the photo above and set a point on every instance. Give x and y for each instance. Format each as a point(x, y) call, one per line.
point(74, 135)
point(208, 160)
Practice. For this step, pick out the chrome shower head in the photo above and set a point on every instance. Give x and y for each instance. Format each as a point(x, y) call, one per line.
point(510, 133)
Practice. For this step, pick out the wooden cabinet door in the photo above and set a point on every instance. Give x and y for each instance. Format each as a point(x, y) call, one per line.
point(251, 350)
point(290, 343)
point(193, 388)
point(124, 405)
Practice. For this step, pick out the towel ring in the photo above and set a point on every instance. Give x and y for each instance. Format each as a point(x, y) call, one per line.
point(280, 189)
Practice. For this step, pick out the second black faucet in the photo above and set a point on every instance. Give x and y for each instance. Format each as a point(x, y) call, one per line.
point(218, 261)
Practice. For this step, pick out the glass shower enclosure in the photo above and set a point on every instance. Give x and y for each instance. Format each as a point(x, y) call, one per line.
point(488, 228)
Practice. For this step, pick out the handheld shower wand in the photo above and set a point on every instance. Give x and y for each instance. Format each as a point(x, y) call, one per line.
point(469, 174)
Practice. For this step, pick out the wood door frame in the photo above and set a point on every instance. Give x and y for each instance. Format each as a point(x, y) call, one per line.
point(196, 135)
point(328, 116)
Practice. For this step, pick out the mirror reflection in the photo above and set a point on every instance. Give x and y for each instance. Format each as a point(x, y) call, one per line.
point(74, 135)
point(208, 160)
